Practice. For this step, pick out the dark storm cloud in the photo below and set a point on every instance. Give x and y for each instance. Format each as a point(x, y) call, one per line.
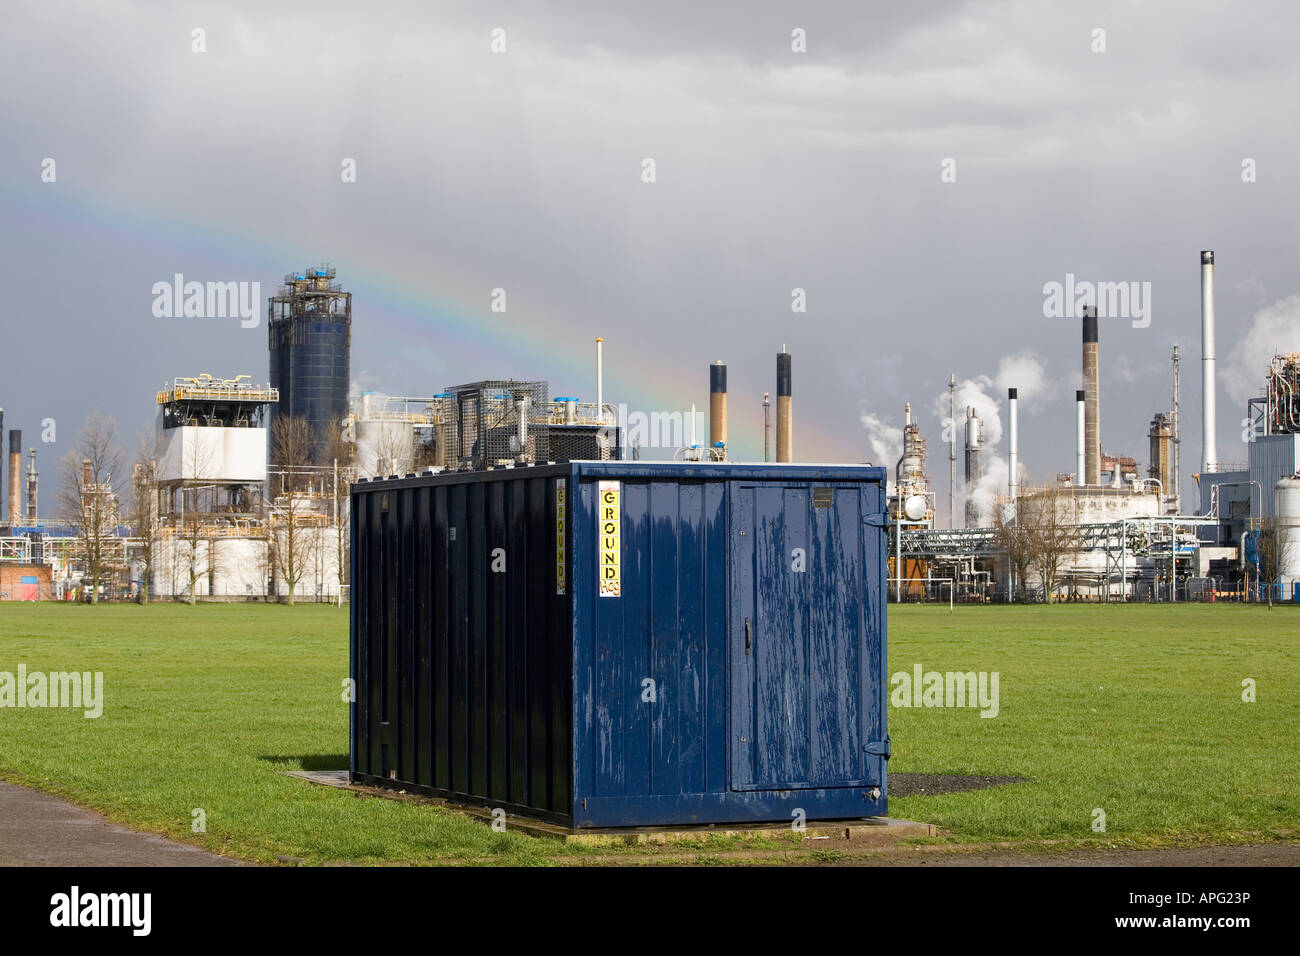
point(776, 170)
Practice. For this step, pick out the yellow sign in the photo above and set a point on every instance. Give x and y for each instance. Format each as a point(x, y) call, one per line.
point(607, 534)
point(559, 536)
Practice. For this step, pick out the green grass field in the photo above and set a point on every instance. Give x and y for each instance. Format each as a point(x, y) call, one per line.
point(1136, 710)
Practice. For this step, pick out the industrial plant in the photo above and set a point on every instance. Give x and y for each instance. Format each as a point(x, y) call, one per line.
point(245, 494)
point(1106, 531)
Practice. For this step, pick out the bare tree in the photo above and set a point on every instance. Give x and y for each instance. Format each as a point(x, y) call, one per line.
point(196, 559)
point(392, 451)
point(292, 443)
point(196, 520)
point(145, 521)
point(89, 496)
point(1048, 513)
point(340, 458)
point(337, 449)
point(426, 453)
point(342, 501)
point(1016, 541)
point(1275, 549)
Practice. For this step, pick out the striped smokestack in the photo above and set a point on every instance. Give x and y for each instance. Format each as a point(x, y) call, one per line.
point(15, 511)
point(784, 413)
point(1091, 399)
point(717, 406)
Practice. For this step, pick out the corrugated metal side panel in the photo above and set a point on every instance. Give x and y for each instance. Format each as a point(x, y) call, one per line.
point(1271, 457)
point(461, 647)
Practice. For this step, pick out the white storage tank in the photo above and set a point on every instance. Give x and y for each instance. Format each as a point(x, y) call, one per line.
point(239, 566)
point(1286, 506)
point(385, 441)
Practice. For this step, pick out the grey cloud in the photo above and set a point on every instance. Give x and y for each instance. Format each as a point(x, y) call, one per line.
point(775, 171)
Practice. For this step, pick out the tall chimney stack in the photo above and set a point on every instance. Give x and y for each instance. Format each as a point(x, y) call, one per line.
point(974, 463)
point(784, 414)
point(1092, 399)
point(1081, 428)
point(717, 407)
point(1209, 448)
point(600, 380)
point(15, 511)
point(1013, 454)
point(2, 475)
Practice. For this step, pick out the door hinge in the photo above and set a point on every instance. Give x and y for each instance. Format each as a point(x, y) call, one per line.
point(879, 519)
point(878, 748)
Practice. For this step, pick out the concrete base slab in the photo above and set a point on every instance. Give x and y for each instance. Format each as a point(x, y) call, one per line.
point(864, 830)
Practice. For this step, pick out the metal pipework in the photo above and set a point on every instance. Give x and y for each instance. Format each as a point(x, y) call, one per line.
point(1092, 398)
point(15, 511)
point(1209, 447)
point(1013, 453)
point(521, 413)
point(767, 426)
point(718, 407)
point(974, 462)
point(952, 449)
point(32, 478)
point(1080, 400)
point(898, 527)
point(784, 412)
point(1175, 416)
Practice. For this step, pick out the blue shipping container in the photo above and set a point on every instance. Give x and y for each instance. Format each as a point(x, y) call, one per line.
point(610, 644)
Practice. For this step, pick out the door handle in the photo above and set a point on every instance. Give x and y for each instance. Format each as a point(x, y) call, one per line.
point(747, 635)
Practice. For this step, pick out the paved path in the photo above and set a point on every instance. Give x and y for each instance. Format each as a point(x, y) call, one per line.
point(37, 829)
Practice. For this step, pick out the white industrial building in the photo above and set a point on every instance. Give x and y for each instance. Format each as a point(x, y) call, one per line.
point(221, 533)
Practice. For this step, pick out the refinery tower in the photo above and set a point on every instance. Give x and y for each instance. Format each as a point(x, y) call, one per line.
point(309, 324)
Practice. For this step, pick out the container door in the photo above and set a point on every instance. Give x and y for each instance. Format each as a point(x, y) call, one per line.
point(803, 640)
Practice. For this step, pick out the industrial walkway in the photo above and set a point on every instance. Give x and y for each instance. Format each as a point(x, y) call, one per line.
point(37, 829)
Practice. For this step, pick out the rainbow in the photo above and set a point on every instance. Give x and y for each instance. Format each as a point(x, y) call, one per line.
point(446, 312)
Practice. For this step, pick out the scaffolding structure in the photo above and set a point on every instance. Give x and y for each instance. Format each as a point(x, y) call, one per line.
point(496, 423)
point(1277, 411)
point(16, 549)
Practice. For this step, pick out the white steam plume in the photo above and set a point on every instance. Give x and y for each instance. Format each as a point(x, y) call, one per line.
point(972, 392)
point(1026, 372)
point(986, 491)
point(884, 440)
point(1273, 329)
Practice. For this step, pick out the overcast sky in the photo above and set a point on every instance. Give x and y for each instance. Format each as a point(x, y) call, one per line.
point(775, 170)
